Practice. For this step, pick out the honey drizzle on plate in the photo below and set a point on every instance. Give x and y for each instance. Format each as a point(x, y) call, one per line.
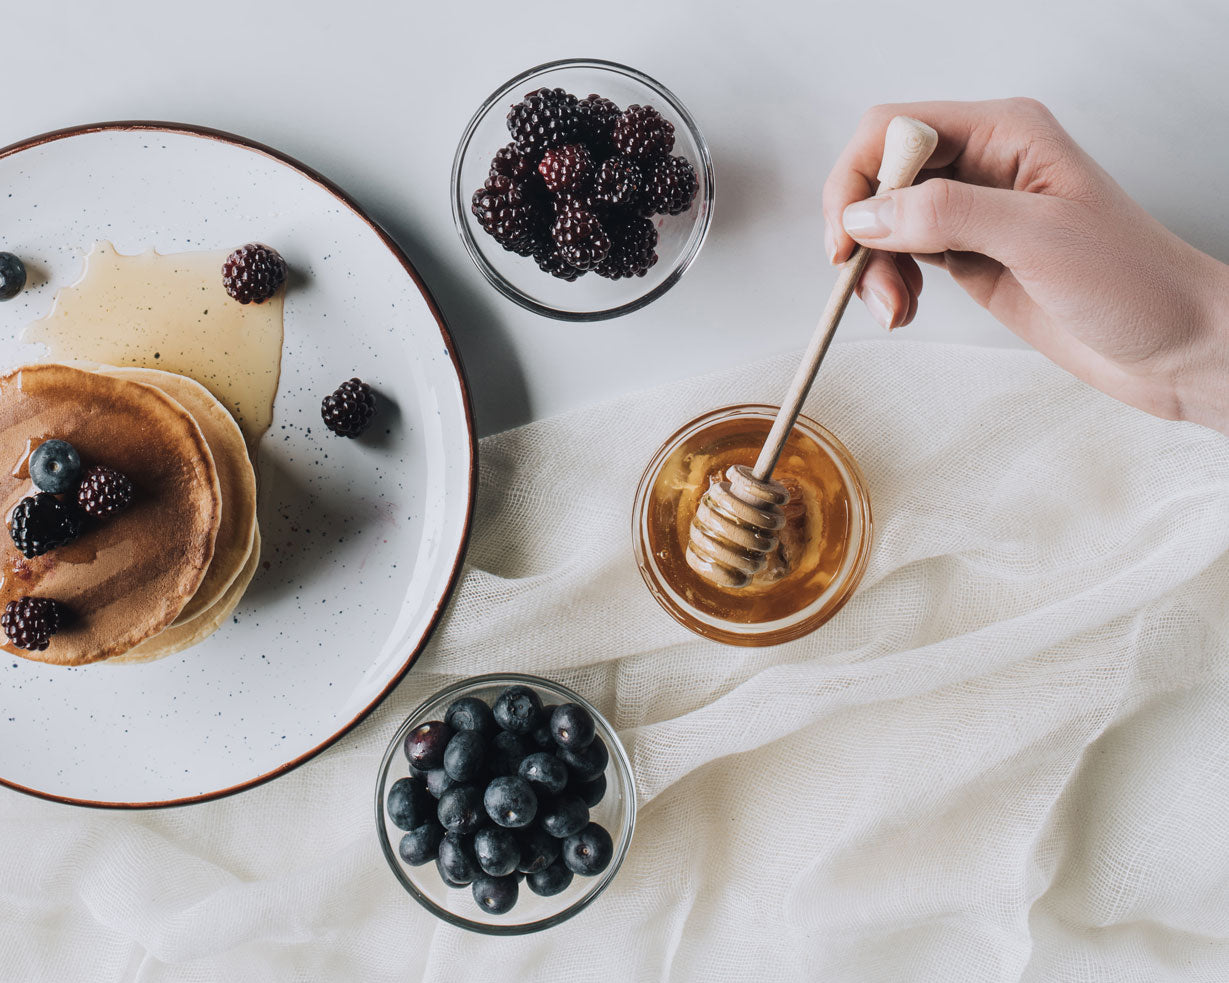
point(170, 312)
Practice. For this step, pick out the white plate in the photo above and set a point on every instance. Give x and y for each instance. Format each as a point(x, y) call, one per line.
point(363, 539)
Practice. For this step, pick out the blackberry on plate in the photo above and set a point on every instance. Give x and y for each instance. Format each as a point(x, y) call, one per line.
point(566, 168)
point(511, 163)
point(633, 249)
point(12, 276)
point(252, 273)
point(104, 492)
point(41, 522)
point(550, 260)
point(348, 409)
point(669, 187)
point(597, 118)
point(509, 215)
point(640, 131)
point(55, 467)
point(29, 622)
point(579, 235)
point(545, 118)
point(618, 181)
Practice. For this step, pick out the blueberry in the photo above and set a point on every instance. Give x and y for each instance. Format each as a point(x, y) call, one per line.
point(588, 852)
point(55, 467)
point(422, 845)
point(456, 861)
point(465, 756)
point(518, 709)
point(438, 782)
point(498, 850)
point(564, 816)
point(495, 895)
point(591, 792)
point(12, 276)
point(586, 765)
point(424, 745)
point(538, 850)
point(470, 713)
point(541, 735)
point(544, 771)
point(510, 801)
point(409, 804)
point(460, 809)
point(551, 880)
point(507, 752)
point(572, 727)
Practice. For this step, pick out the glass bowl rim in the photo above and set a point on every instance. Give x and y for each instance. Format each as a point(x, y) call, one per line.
point(801, 623)
point(509, 290)
point(618, 756)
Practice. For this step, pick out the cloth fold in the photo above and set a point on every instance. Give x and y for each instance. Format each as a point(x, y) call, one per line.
point(1006, 759)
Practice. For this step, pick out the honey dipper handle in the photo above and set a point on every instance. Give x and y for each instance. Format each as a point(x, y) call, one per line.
point(907, 145)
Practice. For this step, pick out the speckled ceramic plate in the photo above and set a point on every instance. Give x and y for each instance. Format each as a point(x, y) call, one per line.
point(363, 539)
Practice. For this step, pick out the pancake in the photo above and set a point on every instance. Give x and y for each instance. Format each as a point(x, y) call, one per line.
point(128, 577)
point(235, 475)
point(179, 637)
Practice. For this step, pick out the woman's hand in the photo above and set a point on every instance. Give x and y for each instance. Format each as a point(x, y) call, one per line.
point(1038, 234)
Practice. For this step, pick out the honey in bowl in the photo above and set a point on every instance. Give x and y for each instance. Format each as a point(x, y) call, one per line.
point(822, 550)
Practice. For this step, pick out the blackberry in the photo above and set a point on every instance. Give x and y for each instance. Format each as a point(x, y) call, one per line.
point(511, 163)
point(12, 276)
point(597, 118)
point(566, 168)
point(633, 244)
point(579, 235)
point(348, 410)
point(670, 187)
point(618, 182)
point(641, 132)
point(252, 273)
point(545, 118)
point(29, 622)
point(42, 522)
point(508, 214)
point(550, 260)
point(104, 492)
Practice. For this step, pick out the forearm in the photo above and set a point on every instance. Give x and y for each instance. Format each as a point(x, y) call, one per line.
point(1203, 387)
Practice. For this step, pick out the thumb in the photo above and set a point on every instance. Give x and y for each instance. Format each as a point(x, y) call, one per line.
point(938, 215)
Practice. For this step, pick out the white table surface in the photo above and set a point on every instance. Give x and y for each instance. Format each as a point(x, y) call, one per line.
point(375, 93)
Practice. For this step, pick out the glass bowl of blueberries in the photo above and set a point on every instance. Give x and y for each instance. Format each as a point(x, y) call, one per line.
point(582, 189)
point(505, 804)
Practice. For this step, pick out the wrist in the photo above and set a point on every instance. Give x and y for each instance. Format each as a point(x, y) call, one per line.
point(1203, 385)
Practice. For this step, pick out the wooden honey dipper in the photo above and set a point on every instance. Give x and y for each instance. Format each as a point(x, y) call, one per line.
point(736, 523)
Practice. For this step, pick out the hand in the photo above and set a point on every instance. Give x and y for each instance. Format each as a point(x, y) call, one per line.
point(1038, 234)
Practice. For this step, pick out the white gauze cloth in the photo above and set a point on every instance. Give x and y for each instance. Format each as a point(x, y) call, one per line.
point(1006, 759)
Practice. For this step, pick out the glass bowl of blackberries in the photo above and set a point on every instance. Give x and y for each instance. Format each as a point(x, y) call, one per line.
point(505, 804)
point(582, 189)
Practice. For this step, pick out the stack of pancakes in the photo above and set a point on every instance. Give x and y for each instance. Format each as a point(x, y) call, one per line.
point(167, 571)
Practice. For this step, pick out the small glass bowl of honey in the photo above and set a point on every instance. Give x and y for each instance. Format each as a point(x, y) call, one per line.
point(822, 551)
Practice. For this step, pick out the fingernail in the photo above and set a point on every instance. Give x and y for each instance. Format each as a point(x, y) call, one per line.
point(829, 243)
point(869, 219)
point(879, 307)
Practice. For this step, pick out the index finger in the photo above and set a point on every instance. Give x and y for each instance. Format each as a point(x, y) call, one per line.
point(975, 145)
